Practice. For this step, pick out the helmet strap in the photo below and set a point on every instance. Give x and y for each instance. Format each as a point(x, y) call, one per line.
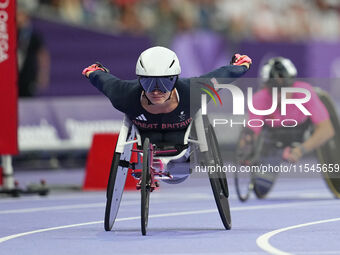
point(172, 90)
point(149, 101)
point(169, 96)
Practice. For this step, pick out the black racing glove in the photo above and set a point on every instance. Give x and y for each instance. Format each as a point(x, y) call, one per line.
point(103, 67)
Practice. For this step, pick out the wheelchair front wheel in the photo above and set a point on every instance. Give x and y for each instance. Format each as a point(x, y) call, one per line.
point(145, 185)
point(114, 192)
point(222, 201)
point(218, 180)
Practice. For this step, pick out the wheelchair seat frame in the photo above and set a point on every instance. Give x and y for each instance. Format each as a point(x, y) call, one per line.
point(152, 167)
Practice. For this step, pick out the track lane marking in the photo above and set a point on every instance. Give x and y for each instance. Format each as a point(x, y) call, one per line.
point(136, 202)
point(51, 208)
point(263, 240)
point(56, 197)
point(243, 208)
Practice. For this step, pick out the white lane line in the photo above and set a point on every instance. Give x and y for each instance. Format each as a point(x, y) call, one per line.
point(95, 194)
point(243, 208)
point(128, 196)
point(51, 208)
point(284, 205)
point(52, 197)
point(263, 240)
point(94, 205)
point(158, 201)
point(6, 238)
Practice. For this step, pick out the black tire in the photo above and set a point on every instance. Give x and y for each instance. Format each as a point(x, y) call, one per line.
point(43, 192)
point(217, 179)
point(243, 186)
point(222, 202)
point(245, 182)
point(218, 159)
point(262, 191)
point(332, 180)
point(328, 153)
point(145, 186)
point(109, 215)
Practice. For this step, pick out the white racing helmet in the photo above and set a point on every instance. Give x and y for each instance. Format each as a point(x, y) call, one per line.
point(158, 61)
point(158, 69)
point(278, 67)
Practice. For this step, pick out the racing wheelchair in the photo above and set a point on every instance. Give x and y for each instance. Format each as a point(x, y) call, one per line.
point(152, 165)
point(270, 143)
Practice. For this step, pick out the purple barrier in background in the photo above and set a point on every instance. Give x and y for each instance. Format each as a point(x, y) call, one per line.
point(323, 59)
point(72, 49)
point(200, 52)
point(57, 110)
point(312, 59)
point(260, 52)
point(31, 112)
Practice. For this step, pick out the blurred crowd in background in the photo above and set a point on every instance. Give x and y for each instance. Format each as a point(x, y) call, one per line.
point(262, 20)
point(203, 33)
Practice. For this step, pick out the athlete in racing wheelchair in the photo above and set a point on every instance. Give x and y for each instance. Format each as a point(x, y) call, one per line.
point(157, 109)
point(274, 144)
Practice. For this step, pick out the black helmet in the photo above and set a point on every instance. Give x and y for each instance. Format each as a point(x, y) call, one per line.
point(278, 72)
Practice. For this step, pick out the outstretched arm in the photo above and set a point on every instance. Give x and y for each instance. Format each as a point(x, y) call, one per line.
point(239, 64)
point(117, 90)
point(229, 71)
point(323, 131)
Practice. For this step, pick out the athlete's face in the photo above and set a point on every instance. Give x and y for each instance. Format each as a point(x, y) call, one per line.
point(158, 97)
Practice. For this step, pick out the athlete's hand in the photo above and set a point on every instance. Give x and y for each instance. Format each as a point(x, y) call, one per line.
point(241, 60)
point(95, 67)
point(292, 155)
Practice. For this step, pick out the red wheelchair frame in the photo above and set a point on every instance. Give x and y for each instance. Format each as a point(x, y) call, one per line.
point(152, 167)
